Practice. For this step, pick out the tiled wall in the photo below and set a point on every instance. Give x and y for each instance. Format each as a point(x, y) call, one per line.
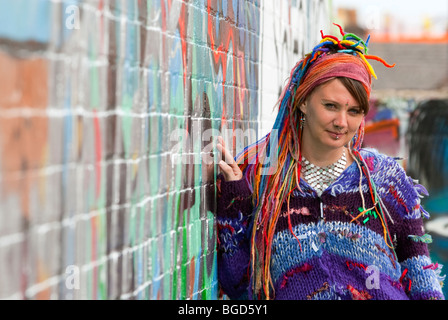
point(108, 109)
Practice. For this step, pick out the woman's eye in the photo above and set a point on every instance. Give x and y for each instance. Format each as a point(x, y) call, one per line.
point(330, 105)
point(355, 111)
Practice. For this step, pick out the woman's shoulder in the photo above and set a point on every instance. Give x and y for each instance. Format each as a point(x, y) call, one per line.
point(391, 178)
point(376, 155)
point(380, 162)
point(385, 169)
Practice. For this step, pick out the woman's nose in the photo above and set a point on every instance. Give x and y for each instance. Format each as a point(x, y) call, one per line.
point(341, 120)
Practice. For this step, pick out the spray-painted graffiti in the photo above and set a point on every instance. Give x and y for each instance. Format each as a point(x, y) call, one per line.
point(93, 204)
point(428, 149)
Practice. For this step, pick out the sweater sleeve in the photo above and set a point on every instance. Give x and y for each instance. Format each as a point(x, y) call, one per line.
point(234, 211)
point(420, 277)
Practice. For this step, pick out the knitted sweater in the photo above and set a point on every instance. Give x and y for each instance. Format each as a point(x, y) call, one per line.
point(338, 257)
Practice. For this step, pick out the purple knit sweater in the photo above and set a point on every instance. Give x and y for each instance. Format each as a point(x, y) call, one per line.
point(338, 259)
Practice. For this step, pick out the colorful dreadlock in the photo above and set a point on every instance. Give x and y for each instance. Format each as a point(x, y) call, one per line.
point(272, 165)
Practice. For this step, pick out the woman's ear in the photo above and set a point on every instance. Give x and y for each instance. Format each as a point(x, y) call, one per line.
point(302, 107)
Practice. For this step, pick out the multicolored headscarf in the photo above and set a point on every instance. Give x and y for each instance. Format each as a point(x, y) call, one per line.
point(330, 66)
point(273, 182)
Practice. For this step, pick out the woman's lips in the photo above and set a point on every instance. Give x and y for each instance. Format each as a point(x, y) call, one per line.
point(336, 135)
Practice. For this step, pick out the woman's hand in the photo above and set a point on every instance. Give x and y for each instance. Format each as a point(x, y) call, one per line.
point(229, 168)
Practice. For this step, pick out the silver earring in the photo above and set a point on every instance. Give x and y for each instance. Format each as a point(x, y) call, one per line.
point(302, 121)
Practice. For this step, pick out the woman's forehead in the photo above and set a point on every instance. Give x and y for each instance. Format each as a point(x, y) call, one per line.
point(334, 90)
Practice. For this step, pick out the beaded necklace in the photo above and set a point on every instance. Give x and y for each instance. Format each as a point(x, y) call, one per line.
point(319, 178)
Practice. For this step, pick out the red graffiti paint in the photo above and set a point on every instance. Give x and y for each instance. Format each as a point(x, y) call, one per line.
point(98, 154)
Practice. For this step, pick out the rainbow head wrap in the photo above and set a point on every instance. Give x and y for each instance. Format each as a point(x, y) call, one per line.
point(273, 184)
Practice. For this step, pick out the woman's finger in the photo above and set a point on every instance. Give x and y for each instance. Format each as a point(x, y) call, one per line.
point(226, 155)
point(227, 171)
point(228, 166)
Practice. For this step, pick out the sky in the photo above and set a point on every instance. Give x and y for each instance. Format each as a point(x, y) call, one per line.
point(409, 14)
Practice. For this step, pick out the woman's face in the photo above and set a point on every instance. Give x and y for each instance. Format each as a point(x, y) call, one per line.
point(332, 116)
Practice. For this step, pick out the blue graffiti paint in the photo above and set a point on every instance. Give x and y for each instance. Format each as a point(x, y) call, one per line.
point(199, 257)
point(32, 24)
point(224, 8)
point(175, 65)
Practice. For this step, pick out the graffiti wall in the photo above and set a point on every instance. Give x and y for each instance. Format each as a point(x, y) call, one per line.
point(108, 114)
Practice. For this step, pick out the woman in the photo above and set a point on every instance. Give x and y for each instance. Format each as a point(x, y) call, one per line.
point(333, 220)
